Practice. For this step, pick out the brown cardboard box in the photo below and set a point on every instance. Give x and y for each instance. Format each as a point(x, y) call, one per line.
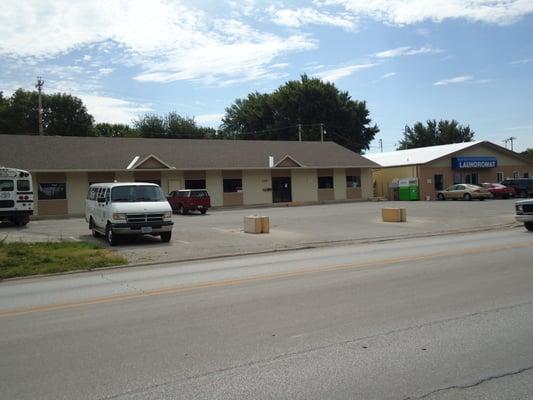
point(393, 214)
point(256, 224)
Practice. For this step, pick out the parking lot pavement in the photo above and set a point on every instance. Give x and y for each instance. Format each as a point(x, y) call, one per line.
point(220, 232)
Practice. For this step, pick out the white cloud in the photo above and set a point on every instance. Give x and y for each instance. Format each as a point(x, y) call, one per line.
point(167, 40)
point(457, 79)
point(389, 75)
point(524, 61)
point(110, 109)
point(407, 12)
point(213, 120)
point(296, 18)
point(105, 71)
point(335, 74)
point(406, 51)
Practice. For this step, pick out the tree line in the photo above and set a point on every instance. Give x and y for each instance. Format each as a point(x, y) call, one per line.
point(308, 108)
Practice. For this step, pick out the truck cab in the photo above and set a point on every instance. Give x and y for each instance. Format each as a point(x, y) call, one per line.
point(524, 213)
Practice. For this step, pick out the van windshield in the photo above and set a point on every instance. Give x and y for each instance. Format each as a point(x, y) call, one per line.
point(134, 193)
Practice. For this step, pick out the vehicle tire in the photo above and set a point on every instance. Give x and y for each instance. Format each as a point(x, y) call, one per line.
point(203, 211)
point(441, 197)
point(467, 197)
point(529, 226)
point(481, 198)
point(183, 210)
point(21, 221)
point(166, 236)
point(110, 236)
point(93, 230)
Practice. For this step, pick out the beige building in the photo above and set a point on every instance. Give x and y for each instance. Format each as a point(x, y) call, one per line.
point(233, 172)
point(438, 167)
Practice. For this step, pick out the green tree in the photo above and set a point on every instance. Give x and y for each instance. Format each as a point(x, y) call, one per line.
point(171, 125)
point(309, 102)
point(435, 133)
point(114, 130)
point(528, 153)
point(63, 114)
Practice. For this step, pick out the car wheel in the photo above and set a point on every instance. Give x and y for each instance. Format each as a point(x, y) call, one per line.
point(92, 228)
point(166, 236)
point(467, 197)
point(21, 221)
point(441, 197)
point(529, 226)
point(110, 236)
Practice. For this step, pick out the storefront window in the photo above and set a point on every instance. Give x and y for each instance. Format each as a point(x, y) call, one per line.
point(232, 185)
point(353, 181)
point(195, 184)
point(325, 182)
point(439, 182)
point(52, 191)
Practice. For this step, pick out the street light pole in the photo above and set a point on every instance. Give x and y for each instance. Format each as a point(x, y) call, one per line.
point(39, 87)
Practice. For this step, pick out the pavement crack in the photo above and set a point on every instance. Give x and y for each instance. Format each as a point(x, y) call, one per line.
point(123, 284)
point(471, 385)
point(315, 349)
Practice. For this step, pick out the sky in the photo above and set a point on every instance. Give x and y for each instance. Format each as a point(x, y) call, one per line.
point(410, 60)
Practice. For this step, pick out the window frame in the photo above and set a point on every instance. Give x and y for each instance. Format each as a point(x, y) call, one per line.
point(46, 197)
point(321, 179)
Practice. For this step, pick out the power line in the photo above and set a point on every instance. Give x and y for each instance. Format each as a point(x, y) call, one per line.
point(510, 139)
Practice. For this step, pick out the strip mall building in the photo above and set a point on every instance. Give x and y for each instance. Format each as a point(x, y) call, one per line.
point(234, 172)
point(438, 167)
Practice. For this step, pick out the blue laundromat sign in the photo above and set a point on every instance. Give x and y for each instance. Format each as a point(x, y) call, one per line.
point(474, 162)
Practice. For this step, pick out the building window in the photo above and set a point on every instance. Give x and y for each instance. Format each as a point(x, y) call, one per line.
point(195, 184)
point(325, 182)
point(516, 174)
point(499, 177)
point(475, 178)
point(232, 185)
point(52, 191)
point(526, 174)
point(438, 182)
point(353, 181)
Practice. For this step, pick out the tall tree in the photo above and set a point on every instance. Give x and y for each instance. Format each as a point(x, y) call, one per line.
point(435, 133)
point(528, 153)
point(309, 102)
point(171, 125)
point(63, 114)
point(114, 130)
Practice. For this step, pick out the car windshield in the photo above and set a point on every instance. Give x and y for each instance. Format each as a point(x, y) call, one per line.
point(134, 193)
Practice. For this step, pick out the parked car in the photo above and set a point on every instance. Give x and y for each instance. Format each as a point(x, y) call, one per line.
point(464, 191)
point(499, 191)
point(523, 186)
point(524, 213)
point(183, 201)
point(114, 209)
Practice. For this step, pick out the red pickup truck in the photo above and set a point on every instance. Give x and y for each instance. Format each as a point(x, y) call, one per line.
point(183, 201)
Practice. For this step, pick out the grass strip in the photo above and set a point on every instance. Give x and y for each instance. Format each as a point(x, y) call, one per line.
point(24, 259)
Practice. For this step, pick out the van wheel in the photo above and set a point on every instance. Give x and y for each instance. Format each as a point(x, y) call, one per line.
point(93, 230)
point(183, 210)
point(203, 211)
point(166, 236)
point(110, 236)
point(467, 197)
point(529, 226)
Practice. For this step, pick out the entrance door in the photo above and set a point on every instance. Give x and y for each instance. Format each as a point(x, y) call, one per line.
point(281, 190)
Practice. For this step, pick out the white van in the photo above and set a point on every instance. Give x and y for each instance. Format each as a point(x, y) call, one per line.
point(114, 209)
point(16, 196)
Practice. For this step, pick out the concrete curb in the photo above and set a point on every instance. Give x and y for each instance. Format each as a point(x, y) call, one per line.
point(303, 246)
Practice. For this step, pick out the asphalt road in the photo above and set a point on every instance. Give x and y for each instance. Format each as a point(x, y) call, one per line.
point(438, 318)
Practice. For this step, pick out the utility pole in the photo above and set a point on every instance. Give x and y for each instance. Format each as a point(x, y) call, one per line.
point(300, 132)
point(321, 132)
point(510, 139)
point(381, 144)
point(39, 87)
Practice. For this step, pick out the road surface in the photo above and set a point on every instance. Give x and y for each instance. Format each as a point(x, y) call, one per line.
point(438, 318)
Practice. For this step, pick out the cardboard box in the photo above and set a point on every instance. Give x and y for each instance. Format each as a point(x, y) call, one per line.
point(256, 224)
point(394, 214)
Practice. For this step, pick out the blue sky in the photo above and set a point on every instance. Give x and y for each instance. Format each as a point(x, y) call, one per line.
point(411, 60)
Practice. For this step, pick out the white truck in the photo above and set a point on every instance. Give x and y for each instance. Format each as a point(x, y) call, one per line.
point(16, 196)
point(524, 213)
